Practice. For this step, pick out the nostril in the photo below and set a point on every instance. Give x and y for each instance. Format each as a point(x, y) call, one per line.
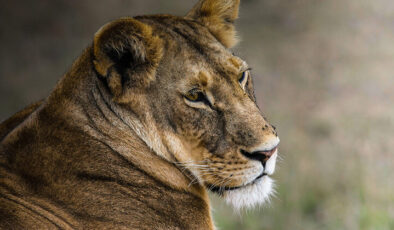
point(261, 156)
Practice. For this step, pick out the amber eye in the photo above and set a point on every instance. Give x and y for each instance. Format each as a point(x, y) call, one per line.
point(243, 79)
point(195, 95)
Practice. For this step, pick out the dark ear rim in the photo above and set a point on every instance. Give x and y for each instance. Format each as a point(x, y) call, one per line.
point(219, 17)
point(126, 54)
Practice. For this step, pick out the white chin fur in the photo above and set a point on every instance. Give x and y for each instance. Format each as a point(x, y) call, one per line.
point(250, 196)
point(270, 165)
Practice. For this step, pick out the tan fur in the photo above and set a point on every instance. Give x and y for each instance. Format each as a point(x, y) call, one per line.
point(219, 17)
point(121, 36)
point(117, 145)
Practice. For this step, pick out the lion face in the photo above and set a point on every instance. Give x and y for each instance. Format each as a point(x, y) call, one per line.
point(191, 99)
point(213, 125)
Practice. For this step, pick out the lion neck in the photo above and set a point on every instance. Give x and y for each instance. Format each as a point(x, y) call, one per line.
point(122, 131)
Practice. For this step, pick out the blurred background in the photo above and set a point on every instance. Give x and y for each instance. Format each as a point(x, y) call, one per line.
point(324, 75)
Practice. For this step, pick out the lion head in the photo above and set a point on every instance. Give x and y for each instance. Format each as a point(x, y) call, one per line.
point(176, 83)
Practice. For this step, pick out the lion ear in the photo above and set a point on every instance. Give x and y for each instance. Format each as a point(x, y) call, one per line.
point(219, 17)
point(126, 54)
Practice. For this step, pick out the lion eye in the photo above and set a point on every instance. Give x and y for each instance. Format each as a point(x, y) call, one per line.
point(243, 79)
point(195, 96)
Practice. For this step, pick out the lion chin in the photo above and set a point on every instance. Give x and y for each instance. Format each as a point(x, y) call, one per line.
point(251, 195)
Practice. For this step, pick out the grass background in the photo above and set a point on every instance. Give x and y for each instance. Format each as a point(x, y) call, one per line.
point(324, 75)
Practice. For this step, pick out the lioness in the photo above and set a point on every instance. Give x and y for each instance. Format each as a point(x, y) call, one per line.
point(152, 115)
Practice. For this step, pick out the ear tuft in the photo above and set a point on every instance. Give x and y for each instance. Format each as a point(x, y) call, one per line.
point(126, 54)
point(219, 16)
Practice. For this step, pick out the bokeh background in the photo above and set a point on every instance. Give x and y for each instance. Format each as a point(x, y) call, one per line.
point(324, 75)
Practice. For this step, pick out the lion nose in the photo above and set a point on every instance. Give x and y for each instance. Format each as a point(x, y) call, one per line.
point(262, 156)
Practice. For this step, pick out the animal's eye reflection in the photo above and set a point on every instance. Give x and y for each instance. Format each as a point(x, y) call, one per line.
point(243, 78)
point(195, 95)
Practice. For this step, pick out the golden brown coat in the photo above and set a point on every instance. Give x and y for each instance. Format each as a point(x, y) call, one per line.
point(129, 134)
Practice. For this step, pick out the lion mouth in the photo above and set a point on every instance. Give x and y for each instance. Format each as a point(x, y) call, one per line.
point(221, 189)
